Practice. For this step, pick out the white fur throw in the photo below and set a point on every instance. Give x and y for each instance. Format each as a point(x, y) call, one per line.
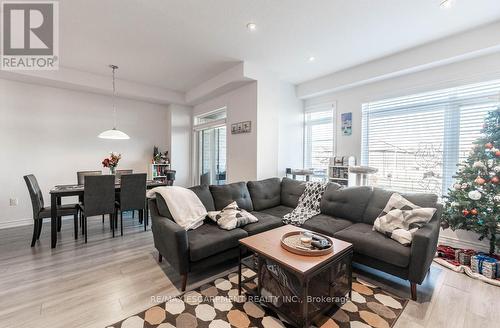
point(232, 217)
point(186, 208)
point(400, 219)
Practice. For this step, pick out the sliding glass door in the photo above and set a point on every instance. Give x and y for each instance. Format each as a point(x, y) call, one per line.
point(210, 136)
point(212, 151)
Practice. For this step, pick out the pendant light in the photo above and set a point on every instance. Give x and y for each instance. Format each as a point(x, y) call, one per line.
point(114, 133)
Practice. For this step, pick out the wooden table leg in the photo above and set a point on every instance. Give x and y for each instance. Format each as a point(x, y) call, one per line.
point(53, 220)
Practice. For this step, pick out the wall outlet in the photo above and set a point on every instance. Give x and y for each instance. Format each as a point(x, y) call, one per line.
point(14, 202)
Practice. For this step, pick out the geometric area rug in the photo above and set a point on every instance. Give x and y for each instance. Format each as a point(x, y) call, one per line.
point(217, 305)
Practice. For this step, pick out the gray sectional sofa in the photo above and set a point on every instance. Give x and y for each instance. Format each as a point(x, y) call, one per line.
point(346, 213)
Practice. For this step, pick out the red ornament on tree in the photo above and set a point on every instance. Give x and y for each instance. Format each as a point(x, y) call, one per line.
point(495, 180)
point(465, 212)
point(489, 145)
point(497, 153)
point(473, 211)
point(479, 181)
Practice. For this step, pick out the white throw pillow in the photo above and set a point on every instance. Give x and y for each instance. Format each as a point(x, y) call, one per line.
point(232, 217)
point(400, 219)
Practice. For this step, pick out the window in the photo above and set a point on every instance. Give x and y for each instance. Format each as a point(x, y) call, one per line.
point(210, 130)
point(318, 137)
point(416, 141)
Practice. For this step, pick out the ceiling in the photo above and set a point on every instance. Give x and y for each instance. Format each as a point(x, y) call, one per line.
point(178, 44)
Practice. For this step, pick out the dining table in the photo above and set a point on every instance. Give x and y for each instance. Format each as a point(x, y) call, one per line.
point(61, 191)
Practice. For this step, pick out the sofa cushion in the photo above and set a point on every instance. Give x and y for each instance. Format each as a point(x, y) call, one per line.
point(226, 194)
point(209, 239)
point(163, 210)
point(291, 190)
point(266, 222)
point(375, 245)
point(326, 224)
point(203, 193)
point(278, 211)
point(380, 197)
point(346, 203)
point(265, 193)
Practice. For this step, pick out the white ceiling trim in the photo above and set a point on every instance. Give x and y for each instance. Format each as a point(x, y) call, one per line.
point(68, 78)
point(472, 44)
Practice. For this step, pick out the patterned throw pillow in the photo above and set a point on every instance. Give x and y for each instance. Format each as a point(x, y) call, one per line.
point(232, 217)
point(401, 218)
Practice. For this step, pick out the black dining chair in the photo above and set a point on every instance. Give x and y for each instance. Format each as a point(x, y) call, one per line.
point(119, 173)
point(205, 179)
point(80, 178)
point(40, 211)
point(80, 175)
point(170, 177)
point(133, 197)
point(98, 199)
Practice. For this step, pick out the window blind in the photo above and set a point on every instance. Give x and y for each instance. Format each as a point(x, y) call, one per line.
point(416, 141)
point(318, 137)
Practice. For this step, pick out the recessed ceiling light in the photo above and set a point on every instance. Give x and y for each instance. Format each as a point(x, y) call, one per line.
point(312, 58)
point(252, 26)
point(446, 3)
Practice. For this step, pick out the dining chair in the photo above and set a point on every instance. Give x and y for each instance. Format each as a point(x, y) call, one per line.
point(170, 177)
point(40, 211)
point(119, 173)
point(133, 197)
point(80, 178)
point(118, 176)
point(98, 199)
point(205, 179)
point(80, 175)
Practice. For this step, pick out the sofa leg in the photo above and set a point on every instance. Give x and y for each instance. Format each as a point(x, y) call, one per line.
point(413, 287)
point(184, 281)
point(160, 258)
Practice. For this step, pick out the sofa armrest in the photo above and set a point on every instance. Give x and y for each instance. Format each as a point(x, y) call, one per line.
point(170, 239)
point(423, 247)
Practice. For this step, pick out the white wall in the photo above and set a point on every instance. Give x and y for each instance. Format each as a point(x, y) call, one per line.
point(52, 133)
point(280, 125)
point(469, 71)
point(241, 105)
point(179, 142)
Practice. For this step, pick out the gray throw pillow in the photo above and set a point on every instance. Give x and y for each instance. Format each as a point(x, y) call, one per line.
point(400, 219)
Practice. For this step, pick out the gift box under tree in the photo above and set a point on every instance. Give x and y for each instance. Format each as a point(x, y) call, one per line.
point(485, 265)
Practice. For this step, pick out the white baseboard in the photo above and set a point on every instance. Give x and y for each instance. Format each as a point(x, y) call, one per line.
point(15, 223)
point(459, 243)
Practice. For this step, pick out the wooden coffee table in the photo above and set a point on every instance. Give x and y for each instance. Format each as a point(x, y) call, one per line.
point(299, 288)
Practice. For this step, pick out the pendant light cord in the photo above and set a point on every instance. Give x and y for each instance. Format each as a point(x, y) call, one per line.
point(114, 67)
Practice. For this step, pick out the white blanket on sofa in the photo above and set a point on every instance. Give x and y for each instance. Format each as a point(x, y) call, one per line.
point(186, 208)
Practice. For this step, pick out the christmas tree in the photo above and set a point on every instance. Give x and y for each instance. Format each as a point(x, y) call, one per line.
point(473, 203)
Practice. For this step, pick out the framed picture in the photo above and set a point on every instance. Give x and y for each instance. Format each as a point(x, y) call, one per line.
point(241, 127)
point(346, 124)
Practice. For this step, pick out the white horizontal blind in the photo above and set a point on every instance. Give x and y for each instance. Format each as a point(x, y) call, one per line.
point(318, 137)
point(416, 141)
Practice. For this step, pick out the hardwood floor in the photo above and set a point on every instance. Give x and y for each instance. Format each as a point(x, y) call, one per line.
point(99, 283)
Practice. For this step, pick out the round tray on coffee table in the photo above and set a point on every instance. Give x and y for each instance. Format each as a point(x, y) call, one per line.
point(291, 242)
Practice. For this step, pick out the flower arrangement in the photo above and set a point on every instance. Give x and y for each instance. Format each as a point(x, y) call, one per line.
point(111, 162)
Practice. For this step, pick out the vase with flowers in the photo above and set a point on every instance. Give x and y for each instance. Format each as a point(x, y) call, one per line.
point(111, 162)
